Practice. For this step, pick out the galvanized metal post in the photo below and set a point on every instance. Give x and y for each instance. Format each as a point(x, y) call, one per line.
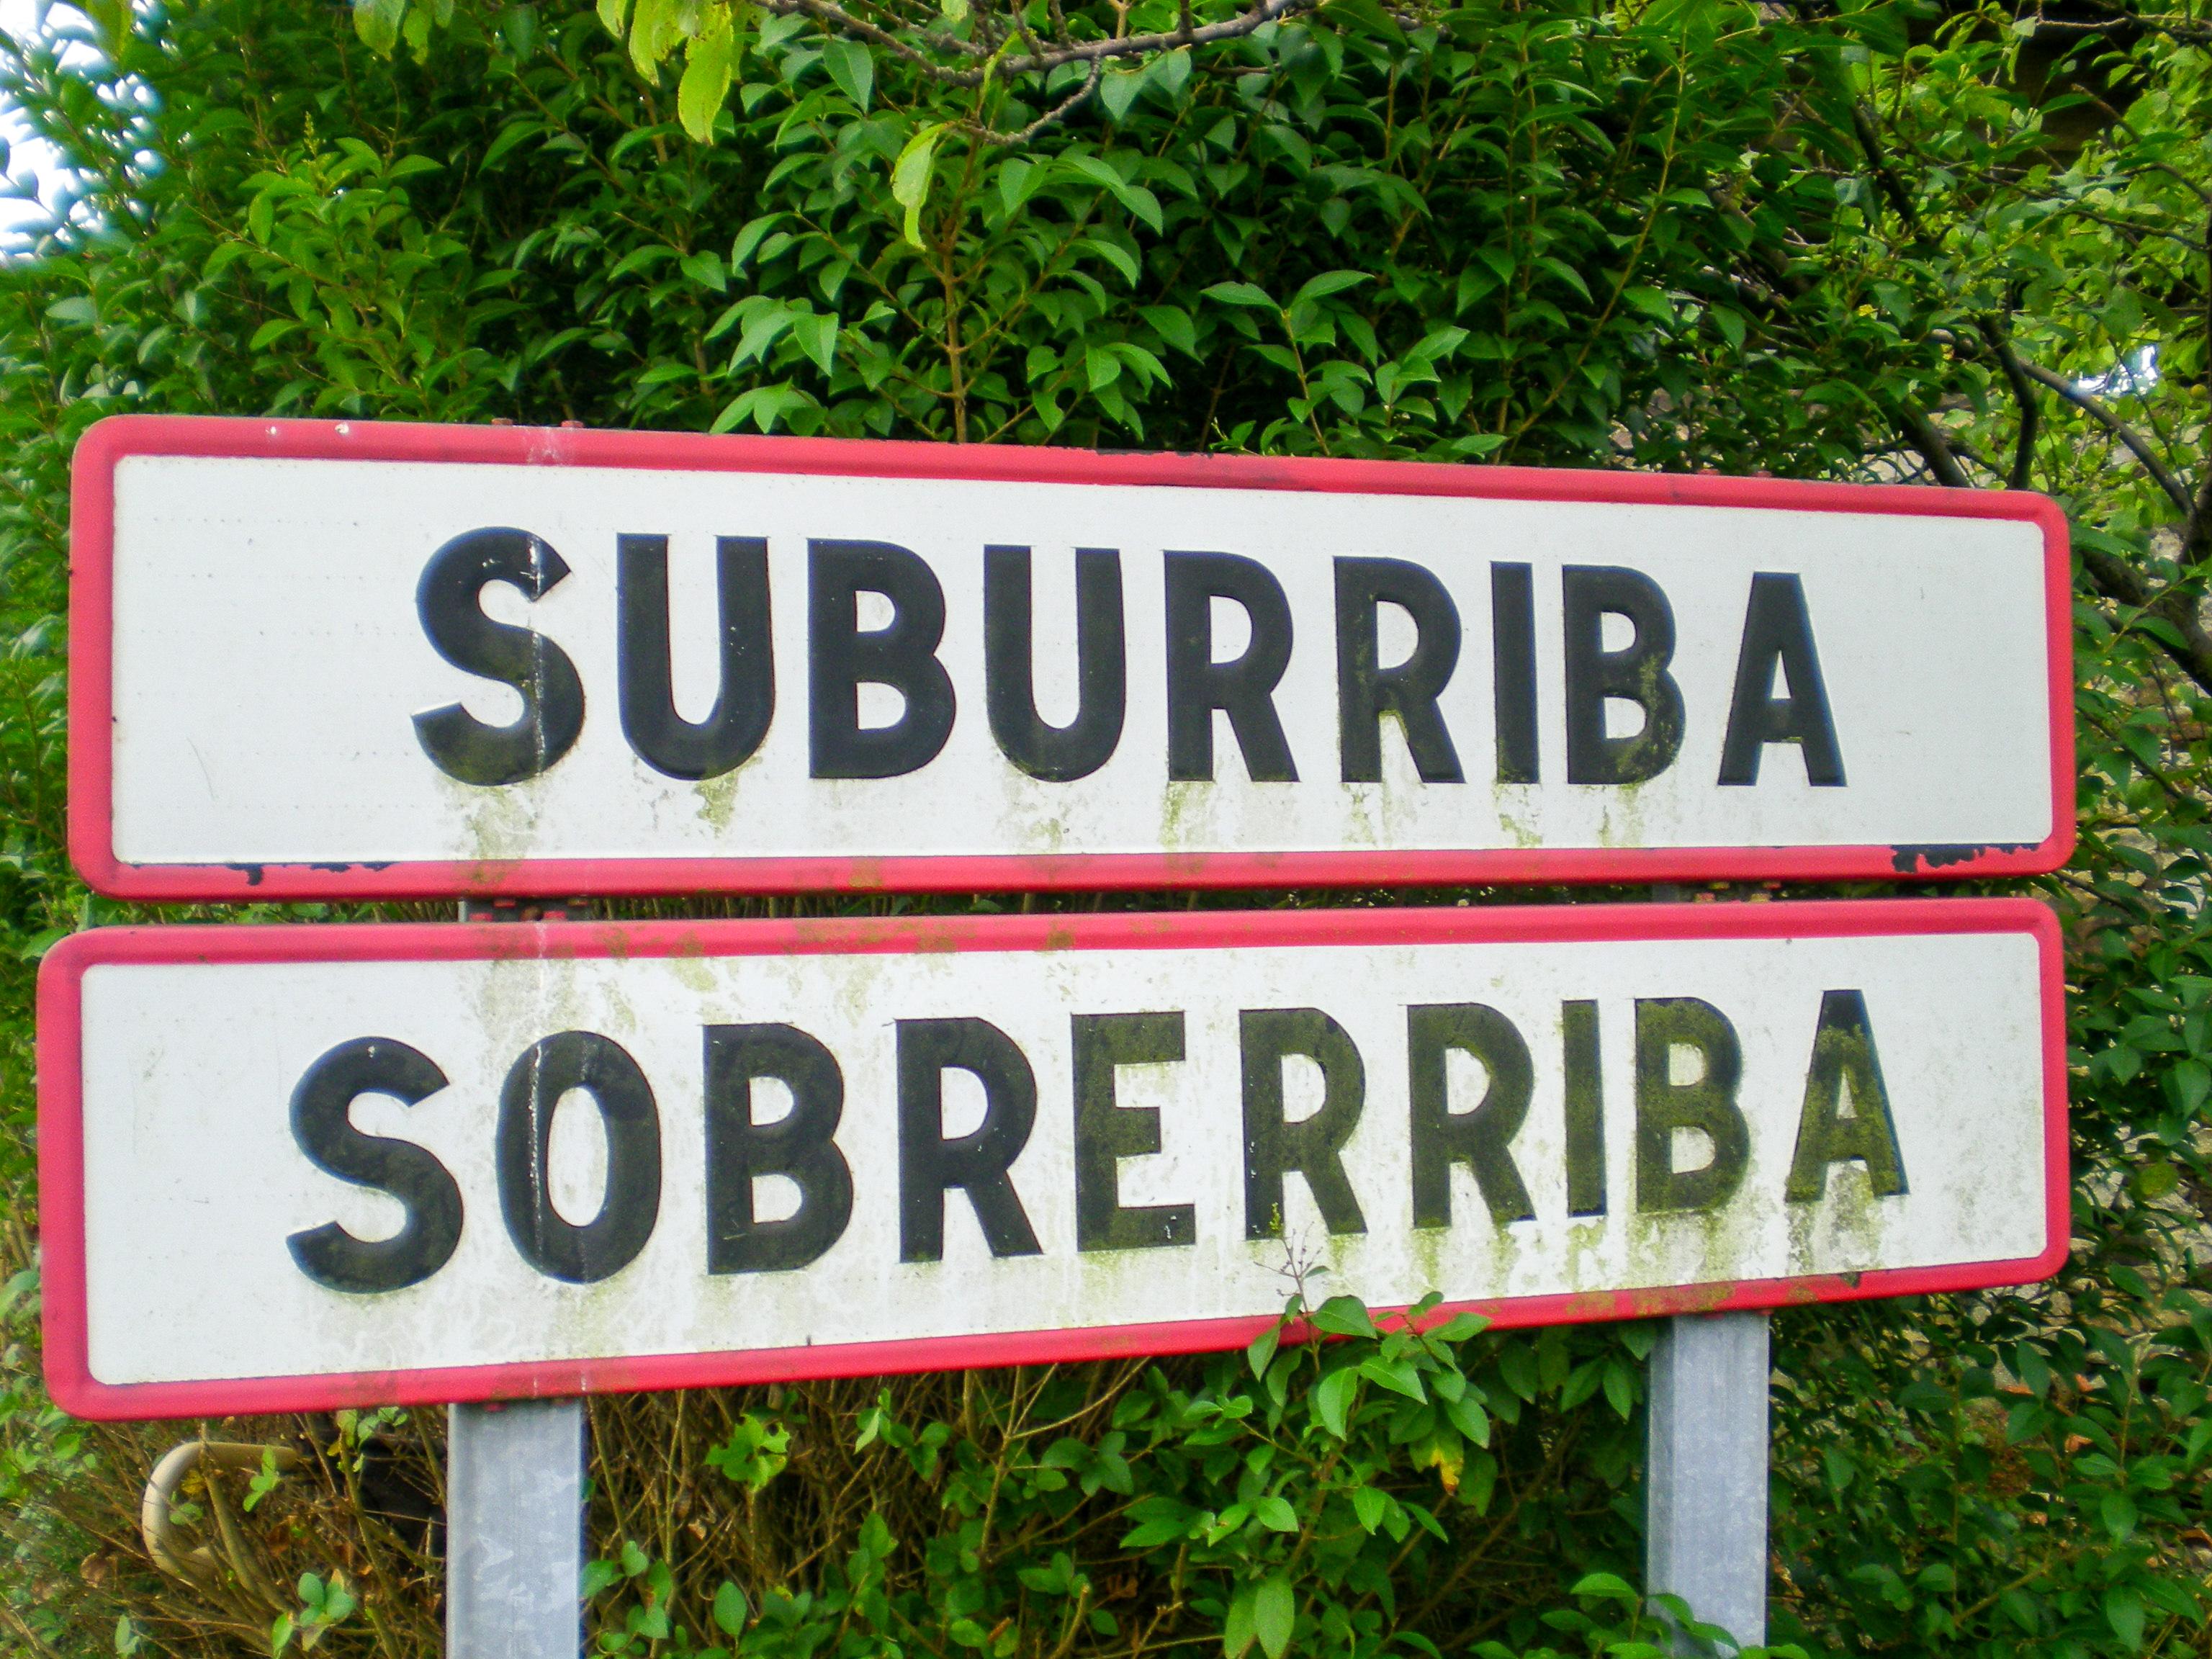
point(514, 1530)
point(514, 1513)
point(1705, 1478)
point(1705, 1481)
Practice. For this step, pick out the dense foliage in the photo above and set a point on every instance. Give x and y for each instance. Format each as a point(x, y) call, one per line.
point(1806, 239)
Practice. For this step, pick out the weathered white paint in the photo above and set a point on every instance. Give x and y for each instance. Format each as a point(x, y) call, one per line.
point(193, 1181)
point(268, 658)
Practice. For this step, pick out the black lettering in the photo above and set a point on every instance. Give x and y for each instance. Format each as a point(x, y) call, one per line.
point(798, 1146)
point(549, 1069)
point(1057, 754)
point(1513, 671)
point(930, 1166)
point(1778, 629)
point(1637, 674)
point(745, 699)
point(1843, 1055)
point(1313, 1145)
point(1481, 1139)
point(322, 1126)
point(447, 599)
point(903, 656)
point(1244, 689)
point(1365, 690)
point(1585, 1091)
point(1107, 1131)
point(1706, 1104)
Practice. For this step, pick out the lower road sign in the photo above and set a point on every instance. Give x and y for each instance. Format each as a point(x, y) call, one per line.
point(297, 1167)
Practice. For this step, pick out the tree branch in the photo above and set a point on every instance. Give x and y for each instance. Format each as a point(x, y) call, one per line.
point(2023, 392)
point(1935, 450)
point(2196, 528)
point(2139, 445)
point(2122, 583)
point(1041, 62)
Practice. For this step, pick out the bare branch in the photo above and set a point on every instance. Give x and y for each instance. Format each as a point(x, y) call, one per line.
point(1935, 450)
point(1051, 116)
point(2023, 392)
point(2090, 405)
point(2120, 581)
point(2196, 528)
point(1040, 62)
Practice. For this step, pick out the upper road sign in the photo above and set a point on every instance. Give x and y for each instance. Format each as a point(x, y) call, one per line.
point(353, 658)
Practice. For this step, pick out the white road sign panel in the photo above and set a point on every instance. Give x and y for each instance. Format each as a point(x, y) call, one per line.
point(315, 659)
point(291, 1167)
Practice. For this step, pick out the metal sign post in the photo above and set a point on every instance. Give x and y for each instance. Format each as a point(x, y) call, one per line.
point(1705, 1482)
point(514, 1530)
point(515, 1509)
point(1706, 1469)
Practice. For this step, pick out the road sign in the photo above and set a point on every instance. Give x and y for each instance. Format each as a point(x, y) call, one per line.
point(287, 1168)
point(316, 660)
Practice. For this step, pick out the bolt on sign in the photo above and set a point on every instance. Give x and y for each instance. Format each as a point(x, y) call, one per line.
point(319, 659)
point(286, 1168)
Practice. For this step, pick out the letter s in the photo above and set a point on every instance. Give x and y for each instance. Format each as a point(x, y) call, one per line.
point(330, 1254)
point(448, 600)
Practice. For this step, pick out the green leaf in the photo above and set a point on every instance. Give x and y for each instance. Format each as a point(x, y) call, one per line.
point(1241, 293)
point(2124, 1610)
point(755, 231)
point(817, 334)
point(1396, 1375)
point(615, 14)
point(1331, 1398)
point(1365, 16)
point(1173, 325)
point(1115, 255)
point(730, 1609)
point(652, 34)
point(1275, 1514)
point(1136, 198)
point(1328, 283)
point(853, 68)
point(910, 176)
point(1345, 1315)
point(1236, 1629)
point(1118, 90)
point(708, 63)
point(377, 22)
point(1275, 1615)
point(2120, 1518)
point(1262, 1353)
point(1606, 1586)
point(705, 268)
point(1371, 1506)
point(1468, 1417)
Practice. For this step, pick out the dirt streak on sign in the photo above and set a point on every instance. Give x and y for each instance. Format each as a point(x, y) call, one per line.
point(326, 1164)
point(362, 659)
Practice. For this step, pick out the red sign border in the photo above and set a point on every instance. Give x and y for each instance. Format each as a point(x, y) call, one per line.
point(91, 685)
point(61, 1151)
